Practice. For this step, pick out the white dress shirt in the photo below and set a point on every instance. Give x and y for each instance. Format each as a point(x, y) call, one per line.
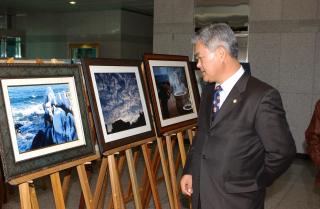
point(228, 84)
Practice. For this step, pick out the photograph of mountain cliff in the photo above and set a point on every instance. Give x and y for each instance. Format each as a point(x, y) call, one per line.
point(120, 101)
point(42, 116)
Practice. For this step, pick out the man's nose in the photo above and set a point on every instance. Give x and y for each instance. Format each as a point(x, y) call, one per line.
point(198, 64)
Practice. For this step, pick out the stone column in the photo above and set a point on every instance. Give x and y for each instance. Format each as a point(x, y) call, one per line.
point(173, 27)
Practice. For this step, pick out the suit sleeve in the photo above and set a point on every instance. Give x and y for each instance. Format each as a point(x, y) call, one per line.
point(272, 128)
point(312, 135)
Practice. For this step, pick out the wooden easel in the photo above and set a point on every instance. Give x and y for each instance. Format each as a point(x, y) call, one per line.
point(190, 131)
point(172, 167)
point(27, 190)
point(108, 160)
point(120, 168)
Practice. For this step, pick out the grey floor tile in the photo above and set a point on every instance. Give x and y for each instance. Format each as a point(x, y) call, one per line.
point(297, 205)
point(295, 189)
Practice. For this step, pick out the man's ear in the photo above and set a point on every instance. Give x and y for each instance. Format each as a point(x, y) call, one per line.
point(221, 53)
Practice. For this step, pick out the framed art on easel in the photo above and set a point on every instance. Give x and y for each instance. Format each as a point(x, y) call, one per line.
point(119, 101)
point(43, 116)
point(172, 90)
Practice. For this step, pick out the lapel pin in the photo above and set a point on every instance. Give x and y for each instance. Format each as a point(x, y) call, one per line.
point(235, 101)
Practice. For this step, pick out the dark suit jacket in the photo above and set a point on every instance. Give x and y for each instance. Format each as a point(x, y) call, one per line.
point(243, 151)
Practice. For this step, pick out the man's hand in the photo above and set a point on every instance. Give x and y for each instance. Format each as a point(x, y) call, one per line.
point(186, 184)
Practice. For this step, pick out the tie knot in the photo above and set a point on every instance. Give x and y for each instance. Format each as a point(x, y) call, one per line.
point(218, 88)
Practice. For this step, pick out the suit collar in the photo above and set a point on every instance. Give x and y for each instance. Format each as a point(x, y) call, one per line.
point(242, 83)
point(233, 99)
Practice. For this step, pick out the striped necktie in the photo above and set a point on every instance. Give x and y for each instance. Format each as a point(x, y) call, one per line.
point(216, 101)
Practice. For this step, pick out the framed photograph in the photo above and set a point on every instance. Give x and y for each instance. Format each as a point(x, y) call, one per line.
point(43, 115)
point(119, 101)
point(198, 77)
point(172, 91)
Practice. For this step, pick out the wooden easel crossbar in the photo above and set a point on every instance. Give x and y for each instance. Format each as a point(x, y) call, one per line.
point(28, 198)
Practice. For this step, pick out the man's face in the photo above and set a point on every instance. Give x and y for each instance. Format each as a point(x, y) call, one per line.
point(207, 62)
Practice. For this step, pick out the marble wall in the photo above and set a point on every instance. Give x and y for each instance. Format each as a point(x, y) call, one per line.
point(136, 34)
point(284, 51)
point(120, 34)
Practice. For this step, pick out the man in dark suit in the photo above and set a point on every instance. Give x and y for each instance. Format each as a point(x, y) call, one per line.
point(243, 142)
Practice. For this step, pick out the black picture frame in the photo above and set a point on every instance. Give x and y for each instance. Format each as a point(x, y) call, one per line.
point(119, 100)
point(173, 109)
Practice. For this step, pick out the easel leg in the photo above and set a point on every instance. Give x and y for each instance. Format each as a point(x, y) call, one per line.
point(115, 184)
point(103, 195)
point(190, 135)
point(34, 200)
point(155, 167)
point(181, 148)
point(133, 178)
point(135, 160)
point(177, 163)
point(178, 158)
point(119, 172)
point(57, 190)
point(165, 172)
point(25, 198)
point(172, 172)
point(151, 175)
point(100, 183)
point(84, 182)
point(66, 183)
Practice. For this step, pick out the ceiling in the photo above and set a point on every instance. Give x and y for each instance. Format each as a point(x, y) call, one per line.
point(233, 12)
point(27, 6)
point(141, 6)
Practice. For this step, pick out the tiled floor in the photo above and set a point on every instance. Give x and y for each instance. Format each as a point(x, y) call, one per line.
point(293, 190)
